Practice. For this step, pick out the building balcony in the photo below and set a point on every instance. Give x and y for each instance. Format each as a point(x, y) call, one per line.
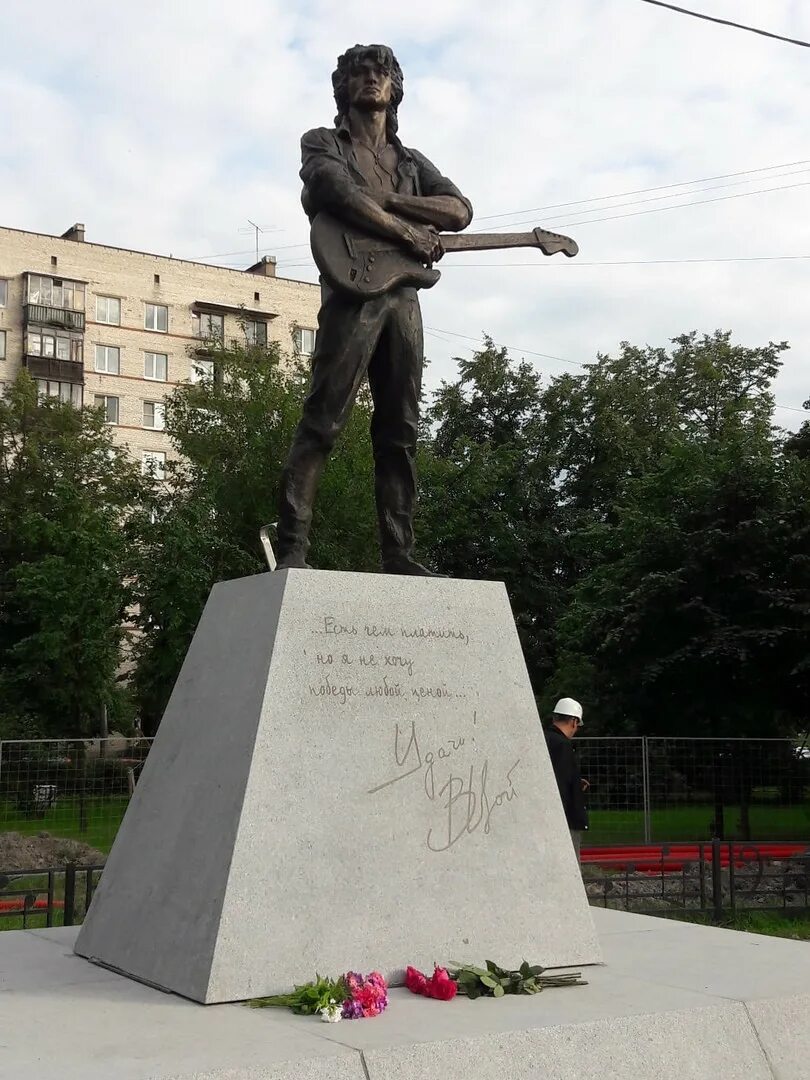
point(45, 315)
point(49, 367)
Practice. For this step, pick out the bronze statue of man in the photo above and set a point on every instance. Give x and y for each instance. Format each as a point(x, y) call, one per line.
point(360, 173)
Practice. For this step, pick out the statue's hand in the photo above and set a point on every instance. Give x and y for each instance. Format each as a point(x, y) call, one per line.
point(423, 242)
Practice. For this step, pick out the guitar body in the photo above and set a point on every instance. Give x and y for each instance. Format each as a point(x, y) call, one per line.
point(363, 266)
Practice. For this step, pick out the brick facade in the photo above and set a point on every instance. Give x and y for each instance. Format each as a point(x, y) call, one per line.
point(137, 279)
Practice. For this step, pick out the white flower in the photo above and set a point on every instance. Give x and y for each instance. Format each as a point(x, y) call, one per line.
point(330, 1014)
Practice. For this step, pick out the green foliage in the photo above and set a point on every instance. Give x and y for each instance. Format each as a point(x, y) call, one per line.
point(65, 538)
point(308, 998)
point(495, 981)
point(697, 608)
point(649, 522)
point(488, 503)
point(201, 525)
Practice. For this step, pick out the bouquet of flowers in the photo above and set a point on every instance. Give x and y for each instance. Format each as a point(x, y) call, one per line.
point(366, 997)
point(351, 997)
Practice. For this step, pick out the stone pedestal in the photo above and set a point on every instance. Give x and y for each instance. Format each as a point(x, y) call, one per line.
point(350, 774)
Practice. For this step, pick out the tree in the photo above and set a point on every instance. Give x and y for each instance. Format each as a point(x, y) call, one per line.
point(65, 506)
point(613, 423)
point(694, 619)
point(232, 433)
point(799, 442)
point(488, 503)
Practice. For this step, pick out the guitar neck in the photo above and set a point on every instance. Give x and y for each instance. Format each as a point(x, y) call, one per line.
point(487, 241)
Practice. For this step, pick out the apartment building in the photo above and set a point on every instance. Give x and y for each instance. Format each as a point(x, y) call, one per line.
point(108, 326)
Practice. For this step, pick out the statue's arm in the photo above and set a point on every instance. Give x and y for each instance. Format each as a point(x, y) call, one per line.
point(330, 187)
point(441, 204)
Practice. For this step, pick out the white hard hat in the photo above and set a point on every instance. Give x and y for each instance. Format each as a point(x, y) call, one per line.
point(566, 706)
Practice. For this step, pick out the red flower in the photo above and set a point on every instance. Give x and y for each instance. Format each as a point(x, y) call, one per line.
point(415, 981)
point(441, 986)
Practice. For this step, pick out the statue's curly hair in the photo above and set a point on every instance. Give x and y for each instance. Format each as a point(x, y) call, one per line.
point(380, 54)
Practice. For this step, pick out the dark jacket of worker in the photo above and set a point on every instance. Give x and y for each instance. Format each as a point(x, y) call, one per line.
point(569, 779)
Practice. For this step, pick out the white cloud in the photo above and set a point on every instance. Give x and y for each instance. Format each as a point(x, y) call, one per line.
point(166, 126)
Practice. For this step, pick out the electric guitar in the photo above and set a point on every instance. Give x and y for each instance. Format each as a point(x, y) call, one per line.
point(364, 266)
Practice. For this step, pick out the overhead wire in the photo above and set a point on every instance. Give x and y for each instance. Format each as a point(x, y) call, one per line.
point(673, 195)
point(644, 191)
point(728, 22)
point(663, 209)
point(554, 206)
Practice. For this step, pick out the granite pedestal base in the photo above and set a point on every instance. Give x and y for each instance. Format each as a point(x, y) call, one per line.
point(350, 775)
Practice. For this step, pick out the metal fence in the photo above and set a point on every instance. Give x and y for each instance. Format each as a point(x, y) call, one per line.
point(56, 896)
point(62, 801)
point(717, 878)
point(645, 790)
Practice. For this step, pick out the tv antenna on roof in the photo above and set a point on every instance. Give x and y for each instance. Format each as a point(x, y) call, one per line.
point(254, 228)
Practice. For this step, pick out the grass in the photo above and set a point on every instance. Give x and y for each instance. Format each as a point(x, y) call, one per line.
point(102, 818)
point(681, 823)
point(771, 923)
point(691, 823)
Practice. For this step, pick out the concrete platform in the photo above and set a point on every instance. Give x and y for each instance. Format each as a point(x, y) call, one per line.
point(673, 1001)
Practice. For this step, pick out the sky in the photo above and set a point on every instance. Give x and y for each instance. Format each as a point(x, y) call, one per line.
point(165, 127)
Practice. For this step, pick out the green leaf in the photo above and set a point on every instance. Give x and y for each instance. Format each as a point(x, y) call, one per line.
point(498, 991)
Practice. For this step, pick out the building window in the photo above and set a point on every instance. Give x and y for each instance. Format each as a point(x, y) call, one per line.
point(108, 359)
point(50, 343)
point(3, 292)
point(154, 415)
point(153, 463)
point(304, 340)
point(205, 324)
point(155, 366)
point(55, 292)
point(108, 310)
point(256, 332)
point(110, 407)
point(2, 344)
point(201, 369)
point(65, 391)
point(156, 317)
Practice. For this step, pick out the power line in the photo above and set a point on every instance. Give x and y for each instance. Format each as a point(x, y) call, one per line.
point(556, 206)
point(662, 209)
point(435, 331)
point(671, 195)
point(643, 191)
point(549, 265)
point(728, 22)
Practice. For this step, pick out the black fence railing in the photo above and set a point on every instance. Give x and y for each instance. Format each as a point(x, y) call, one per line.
point(716, 877)
point(57, 896)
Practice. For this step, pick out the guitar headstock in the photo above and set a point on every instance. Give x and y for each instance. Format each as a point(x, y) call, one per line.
point(550, 243)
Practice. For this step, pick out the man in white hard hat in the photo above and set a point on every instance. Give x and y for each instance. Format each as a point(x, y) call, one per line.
point(565, 723)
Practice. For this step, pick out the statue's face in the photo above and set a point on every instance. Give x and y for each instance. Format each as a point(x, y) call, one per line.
point(369, 86)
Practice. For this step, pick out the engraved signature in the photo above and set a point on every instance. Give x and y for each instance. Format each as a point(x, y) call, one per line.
point(476, 806)
point(468, 803)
